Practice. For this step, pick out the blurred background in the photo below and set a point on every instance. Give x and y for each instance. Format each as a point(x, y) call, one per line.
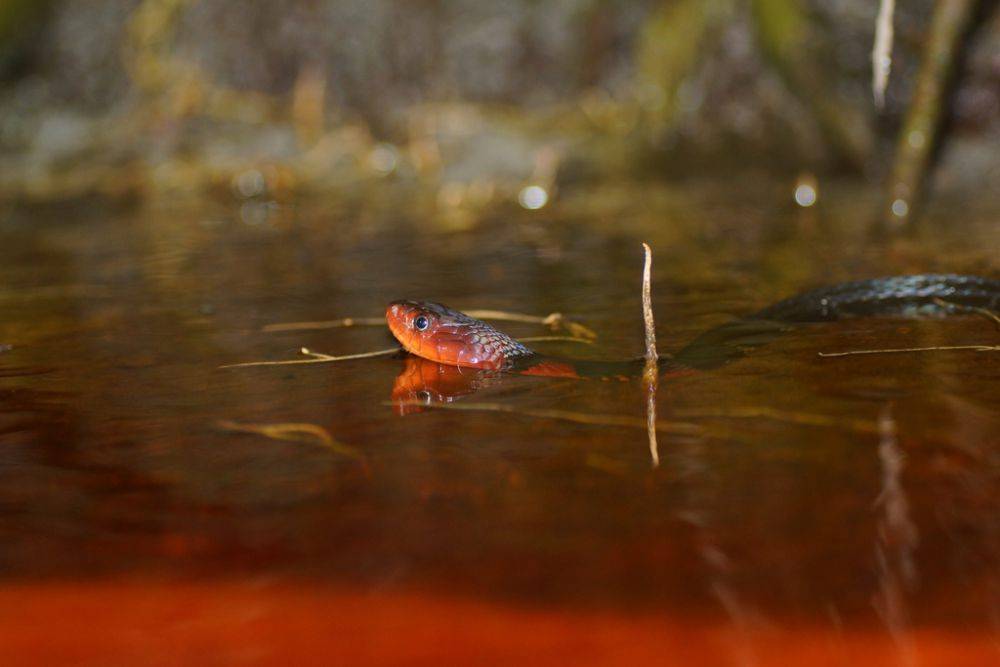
point(475, 100)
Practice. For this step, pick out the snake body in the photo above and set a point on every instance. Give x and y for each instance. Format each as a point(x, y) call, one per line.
point(897, 295)
point(438, 333)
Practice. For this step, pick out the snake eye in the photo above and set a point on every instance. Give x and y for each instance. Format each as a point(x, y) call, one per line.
point(421, 323)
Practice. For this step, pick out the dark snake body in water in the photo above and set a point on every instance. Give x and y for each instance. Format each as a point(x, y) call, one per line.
point(899, 295)
point(928, 295)
point(442, 335)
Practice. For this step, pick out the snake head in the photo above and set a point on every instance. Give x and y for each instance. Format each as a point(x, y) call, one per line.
point(438, 333)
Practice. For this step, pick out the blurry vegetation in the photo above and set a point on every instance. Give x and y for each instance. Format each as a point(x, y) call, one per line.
point(789, 40)
point(19, 20)
point(680, 37)
point(465, 99)
point(672, 43)
point(918, 137)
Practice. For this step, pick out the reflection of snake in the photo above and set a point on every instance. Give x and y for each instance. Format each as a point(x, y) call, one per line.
point(437, 333)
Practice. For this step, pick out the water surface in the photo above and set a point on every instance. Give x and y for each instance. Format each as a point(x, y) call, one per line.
point(834, 508)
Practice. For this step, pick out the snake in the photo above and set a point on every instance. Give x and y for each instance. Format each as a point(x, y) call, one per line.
point(440, 334)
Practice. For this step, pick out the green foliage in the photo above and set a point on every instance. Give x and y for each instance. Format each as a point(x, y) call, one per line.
point(670, 47)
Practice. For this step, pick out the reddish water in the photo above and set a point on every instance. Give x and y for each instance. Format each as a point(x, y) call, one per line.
point(806, 510)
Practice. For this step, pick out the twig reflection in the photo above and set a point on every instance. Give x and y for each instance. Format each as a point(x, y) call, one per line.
point(896, 541)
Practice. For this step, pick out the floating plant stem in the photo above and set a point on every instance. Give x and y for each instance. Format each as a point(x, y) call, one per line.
point(316, 358)
point(985, 312)
point(293, 432)
point(897, 350)
point(553, 339)
point(326, 324)
point(554, 321)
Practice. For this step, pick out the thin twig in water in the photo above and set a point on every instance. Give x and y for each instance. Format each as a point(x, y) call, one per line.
point(293, 432)
point(554, 321)
point(985, 312)
point(320, 358)
point(936, 348)
point(650, 375)
point(546, 339)
point(326, 324)
point(677, 428)
point(317, 358)
point(647, 306)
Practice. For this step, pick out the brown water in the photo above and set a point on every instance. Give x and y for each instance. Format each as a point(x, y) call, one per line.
point(811, 509)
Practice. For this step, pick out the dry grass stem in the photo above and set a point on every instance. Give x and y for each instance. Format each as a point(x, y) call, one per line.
point(293, 432)
point(650, 375)
point(647, 305)
point(325, 324)
point(985, 312)
point(935, 348)
point(316, 358)
point(555, 321)
point(565, 339)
